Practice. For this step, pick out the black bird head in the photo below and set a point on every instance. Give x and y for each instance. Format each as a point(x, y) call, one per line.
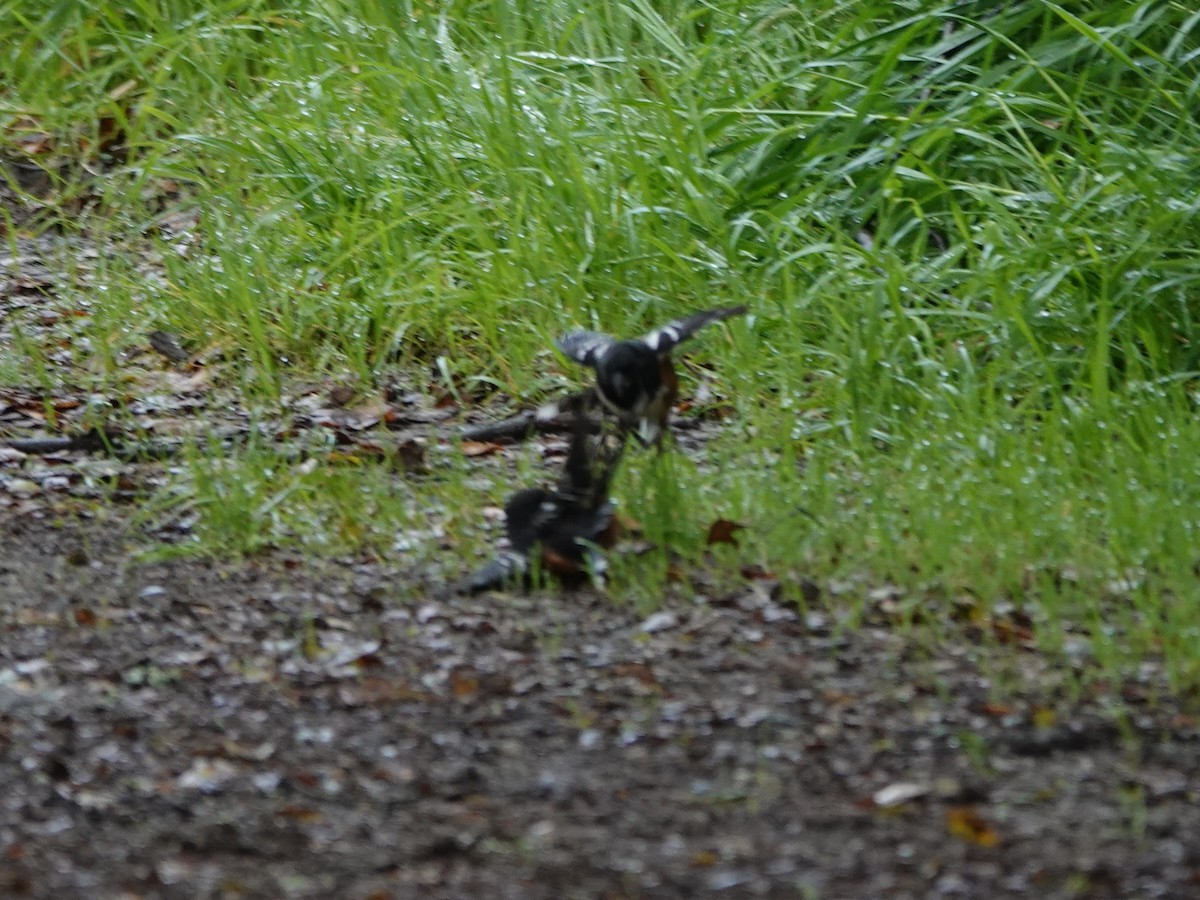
point(636, 378)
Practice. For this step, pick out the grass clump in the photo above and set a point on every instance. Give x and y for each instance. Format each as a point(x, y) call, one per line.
point(968, 235)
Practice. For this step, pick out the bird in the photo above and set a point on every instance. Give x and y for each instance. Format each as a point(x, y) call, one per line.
point(635, 379)
point(559, 530)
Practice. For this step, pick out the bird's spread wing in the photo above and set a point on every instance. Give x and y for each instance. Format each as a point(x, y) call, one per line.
point(584, 346)
point(662, 340)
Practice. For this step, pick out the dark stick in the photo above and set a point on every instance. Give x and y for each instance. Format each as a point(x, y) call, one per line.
point(554, 418)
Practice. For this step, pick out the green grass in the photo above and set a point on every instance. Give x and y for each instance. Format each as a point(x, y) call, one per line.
point(968, 234)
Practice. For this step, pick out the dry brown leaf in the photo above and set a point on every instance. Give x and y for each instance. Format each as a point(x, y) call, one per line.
point(109, 132)
point(1008, 632)
point(1043, 717)
point(480, 448)
point(369, 449)
point(366, 414)
point(410, 453)
point(35, 143)
point(464, 683)
point(301, 814)
point(755, 572)
point(373, 690)
point(723, 531)
point(966, 823)
point(640, 672)
point(342, 394)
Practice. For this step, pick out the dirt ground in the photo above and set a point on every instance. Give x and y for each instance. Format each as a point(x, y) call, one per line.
point(288, 728)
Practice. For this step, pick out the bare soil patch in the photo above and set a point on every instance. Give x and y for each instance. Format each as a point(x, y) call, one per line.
point(288, 727)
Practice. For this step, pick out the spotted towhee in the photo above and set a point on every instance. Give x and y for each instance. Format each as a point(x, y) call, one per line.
point(560, 528)
point(636, 379)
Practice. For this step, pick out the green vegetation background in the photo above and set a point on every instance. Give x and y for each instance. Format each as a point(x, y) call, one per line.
point(967, 231)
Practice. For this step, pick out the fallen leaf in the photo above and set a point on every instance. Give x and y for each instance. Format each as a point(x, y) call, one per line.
point(344, 420)
point(464, 682)
point(304, 778)
point(722, 531)
point(109, 133)
point(353, 653)
point(231, 749)
point(207, 775)
point(365, 415)
point(899, 793)
point(342, 394)
point(480, 448)
point(377, 690)
point(411, 455)
point(196, 382)
point(30, 138)
point(640, 672)
point(1009, 632)
point(1044, 717)
point(167, 344)
point(660, 621)
point(300, 814)
point(755, 572)
point(964, 822)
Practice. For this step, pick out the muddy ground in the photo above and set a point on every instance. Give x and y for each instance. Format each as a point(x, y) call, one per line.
point(289, 728)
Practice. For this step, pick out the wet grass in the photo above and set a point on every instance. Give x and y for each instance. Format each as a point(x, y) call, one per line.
point(968, 236)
